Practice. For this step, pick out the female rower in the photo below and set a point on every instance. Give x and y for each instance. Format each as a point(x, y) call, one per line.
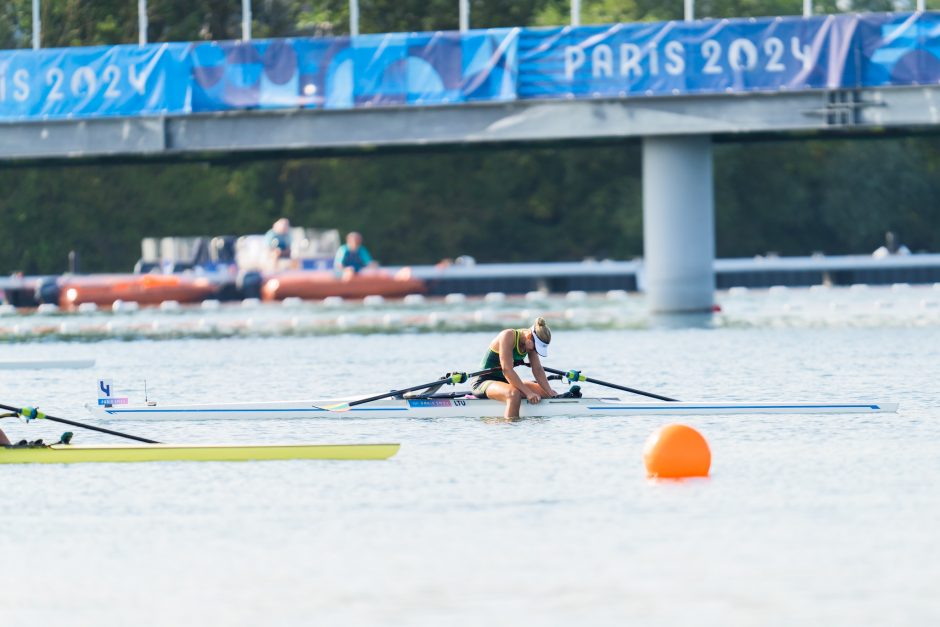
point(507, 350)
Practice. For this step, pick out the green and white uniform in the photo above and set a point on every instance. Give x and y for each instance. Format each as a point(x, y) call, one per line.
point(491, 360)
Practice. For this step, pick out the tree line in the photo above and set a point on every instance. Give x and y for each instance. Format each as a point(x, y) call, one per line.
point(505, 204)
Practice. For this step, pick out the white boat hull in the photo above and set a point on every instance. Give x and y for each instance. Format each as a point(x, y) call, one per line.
point(469, 408)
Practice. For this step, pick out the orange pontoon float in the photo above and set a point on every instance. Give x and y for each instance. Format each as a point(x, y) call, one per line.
point(145, 289)
point(317, 285)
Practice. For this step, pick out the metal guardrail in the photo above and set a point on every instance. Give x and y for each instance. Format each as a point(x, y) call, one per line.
point(463, 20)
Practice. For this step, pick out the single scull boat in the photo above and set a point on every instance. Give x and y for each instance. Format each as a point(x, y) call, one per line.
point(70, 454)
point(450, 406)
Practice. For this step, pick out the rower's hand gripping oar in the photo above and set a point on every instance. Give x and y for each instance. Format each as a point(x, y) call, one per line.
point(452, 379)
point(575, 375)
point(31, 413)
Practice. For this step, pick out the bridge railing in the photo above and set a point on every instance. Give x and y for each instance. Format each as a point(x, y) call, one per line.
point(463, 17)
point(705, 57)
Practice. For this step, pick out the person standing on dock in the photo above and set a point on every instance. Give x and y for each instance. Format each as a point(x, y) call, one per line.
point(352, 257)
point(507, 350)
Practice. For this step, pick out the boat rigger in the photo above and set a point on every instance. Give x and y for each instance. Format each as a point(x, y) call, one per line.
point(469, 407)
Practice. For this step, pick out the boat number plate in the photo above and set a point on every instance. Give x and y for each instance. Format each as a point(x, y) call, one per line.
point(429, 402)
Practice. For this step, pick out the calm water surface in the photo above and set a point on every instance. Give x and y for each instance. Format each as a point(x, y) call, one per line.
point(825, 520)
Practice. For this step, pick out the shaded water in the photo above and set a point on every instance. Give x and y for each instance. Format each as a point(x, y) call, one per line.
point(812, 519)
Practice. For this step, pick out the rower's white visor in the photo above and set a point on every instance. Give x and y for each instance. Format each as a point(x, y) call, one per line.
point(540, 347)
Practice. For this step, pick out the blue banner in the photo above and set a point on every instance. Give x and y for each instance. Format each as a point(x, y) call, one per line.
point(730, 56)
point(422, 69)
point(371, 70)
point(674, 58)
point(93, 82)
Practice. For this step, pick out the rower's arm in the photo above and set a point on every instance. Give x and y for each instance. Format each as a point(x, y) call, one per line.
point(539, 373)
point(506, 362)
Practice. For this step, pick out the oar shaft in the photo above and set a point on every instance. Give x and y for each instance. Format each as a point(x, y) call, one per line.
point(102, 430)
point(392, 393)
point(611, 385)
point(84, 426)
point(417, 387)
point(633, 390)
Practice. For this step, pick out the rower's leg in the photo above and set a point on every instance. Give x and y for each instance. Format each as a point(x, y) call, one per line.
point(535, 387)
point(499, 391)
point(512, 403)
point(4, 441)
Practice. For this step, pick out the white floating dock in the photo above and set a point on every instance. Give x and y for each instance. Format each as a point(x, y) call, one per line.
point(48, 364)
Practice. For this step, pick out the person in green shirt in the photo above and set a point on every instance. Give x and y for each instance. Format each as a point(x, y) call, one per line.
point(507, 350)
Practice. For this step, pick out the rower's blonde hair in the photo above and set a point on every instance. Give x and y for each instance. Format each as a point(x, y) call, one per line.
point(540, 327)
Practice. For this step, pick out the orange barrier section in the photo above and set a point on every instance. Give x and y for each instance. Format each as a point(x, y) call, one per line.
point(146, 289)
point(322, 284)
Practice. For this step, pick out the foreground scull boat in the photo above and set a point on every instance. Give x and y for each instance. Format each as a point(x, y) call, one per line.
point(70, 454)
point(461, 407)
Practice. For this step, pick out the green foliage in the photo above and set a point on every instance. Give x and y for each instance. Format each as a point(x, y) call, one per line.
point(15, 24)
point(837, 197)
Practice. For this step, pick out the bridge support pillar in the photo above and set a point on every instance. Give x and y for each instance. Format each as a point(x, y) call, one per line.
point(678, 223)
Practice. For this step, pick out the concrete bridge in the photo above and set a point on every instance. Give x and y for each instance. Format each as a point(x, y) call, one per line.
point(675, 87)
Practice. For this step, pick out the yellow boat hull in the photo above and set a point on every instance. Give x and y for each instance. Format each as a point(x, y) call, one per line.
point(71, 454)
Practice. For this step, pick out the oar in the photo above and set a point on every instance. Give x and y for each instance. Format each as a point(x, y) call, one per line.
point(575, 375)
point(31, 413)
point(457, 377)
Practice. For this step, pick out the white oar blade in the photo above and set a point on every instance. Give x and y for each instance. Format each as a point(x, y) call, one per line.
point(339, 407)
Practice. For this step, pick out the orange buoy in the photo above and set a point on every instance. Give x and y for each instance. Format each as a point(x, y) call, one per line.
point(675, 451)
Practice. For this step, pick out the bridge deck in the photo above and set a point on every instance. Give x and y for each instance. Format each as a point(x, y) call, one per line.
point(876, 110)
